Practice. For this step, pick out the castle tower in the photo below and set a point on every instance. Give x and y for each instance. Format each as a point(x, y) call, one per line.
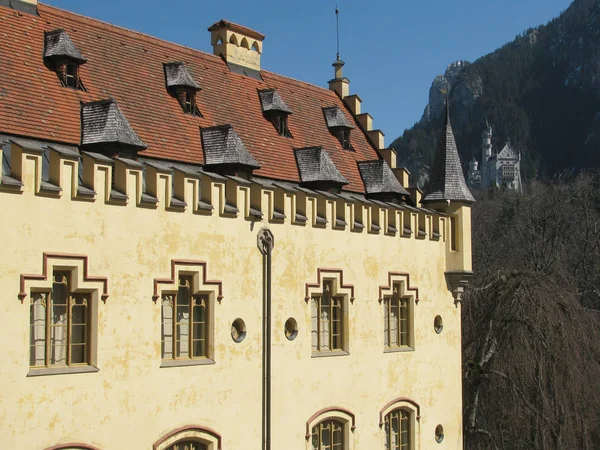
point(486, 155)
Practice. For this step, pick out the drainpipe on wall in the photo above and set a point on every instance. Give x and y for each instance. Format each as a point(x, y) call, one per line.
point(266, 242)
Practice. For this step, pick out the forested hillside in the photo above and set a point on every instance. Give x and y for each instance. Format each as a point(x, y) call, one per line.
point(542, 91)
point(531, 319)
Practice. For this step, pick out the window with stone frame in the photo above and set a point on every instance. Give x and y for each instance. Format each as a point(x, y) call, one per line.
point(398, 433)
point(185, 322)
point(327, 319)
point(280, 122)
point(60, 324)
point(328, 435)
point(397, 319)
point(188, 102)
point(188, 445)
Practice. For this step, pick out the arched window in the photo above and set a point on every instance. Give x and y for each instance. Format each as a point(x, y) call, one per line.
point(398, 299)
point(330, 428)
point(398, 419)
point(189, 438)
point(233, 40)
point(255, 47)
point(327, 435)
point(187, 445)
point(397, 430)
point(245, 43)
point(72, 447)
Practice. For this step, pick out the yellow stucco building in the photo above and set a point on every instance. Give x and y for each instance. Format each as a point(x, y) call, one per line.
point(201, 254)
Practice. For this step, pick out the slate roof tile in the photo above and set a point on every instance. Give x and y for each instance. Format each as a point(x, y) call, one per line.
point(447, 181)
point(58, 44)
point(222, 145)
point(177, 74)
point(315, 165)
point(272, 101)
point(336, 118)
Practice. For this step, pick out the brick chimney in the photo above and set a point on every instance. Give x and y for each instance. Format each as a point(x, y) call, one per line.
point(236, 44)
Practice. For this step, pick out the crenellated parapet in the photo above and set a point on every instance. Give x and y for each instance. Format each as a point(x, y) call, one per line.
point(59, 172)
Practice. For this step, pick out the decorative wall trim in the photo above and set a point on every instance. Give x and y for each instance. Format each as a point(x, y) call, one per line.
point(187, 429)
point(64, 256)
point(187, 262)
point(327, 413)
point(71, 446)
point(399, 400)
point(318, 283)
point(393, 276)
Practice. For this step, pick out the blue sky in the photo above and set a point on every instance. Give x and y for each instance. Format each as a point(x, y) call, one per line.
point(392, 48)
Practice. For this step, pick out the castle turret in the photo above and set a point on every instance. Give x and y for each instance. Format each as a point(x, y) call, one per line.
point(487, 142)
point(447, 192)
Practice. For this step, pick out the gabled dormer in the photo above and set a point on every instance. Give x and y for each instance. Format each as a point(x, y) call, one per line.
point(338, 125)
point(317, 170)
point(275, 110)
point(61, 56)
point(225, 153)
point(182, 86)
point(104, 129)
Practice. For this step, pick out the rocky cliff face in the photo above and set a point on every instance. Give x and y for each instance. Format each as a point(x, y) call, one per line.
point(542, 90)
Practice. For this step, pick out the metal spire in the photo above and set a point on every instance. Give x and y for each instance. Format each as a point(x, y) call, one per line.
point(337, 25)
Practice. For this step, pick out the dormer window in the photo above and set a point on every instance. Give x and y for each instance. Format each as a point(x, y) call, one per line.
point(275, 110)
point(339, 126)
point(61, 55)
point(182, 86)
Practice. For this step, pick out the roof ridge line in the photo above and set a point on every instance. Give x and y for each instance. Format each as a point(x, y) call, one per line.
point(125, 31)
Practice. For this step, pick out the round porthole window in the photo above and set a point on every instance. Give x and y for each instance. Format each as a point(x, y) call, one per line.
point(238, 330)
point(439, 434)
point(291, 329)
point(438, 324)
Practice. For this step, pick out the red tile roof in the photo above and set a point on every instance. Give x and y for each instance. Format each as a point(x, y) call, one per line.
point(128, 66)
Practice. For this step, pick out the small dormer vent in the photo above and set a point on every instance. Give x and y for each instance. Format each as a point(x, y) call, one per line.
point(275, 110)
point(224, 151)
point(182, 86)
point(61, 55)
point(338, 125)
point(317, 170)
point(105, 129)
point(380, 182)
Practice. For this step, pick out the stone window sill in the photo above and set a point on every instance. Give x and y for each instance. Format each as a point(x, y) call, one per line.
point(326, 354)
point(186, 362)
point(398, 349)
point(44, 371)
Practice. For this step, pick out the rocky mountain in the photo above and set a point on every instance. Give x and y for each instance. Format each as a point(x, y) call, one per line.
point(541, 90)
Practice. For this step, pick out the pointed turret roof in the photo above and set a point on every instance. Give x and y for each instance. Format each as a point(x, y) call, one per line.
point(446, 180)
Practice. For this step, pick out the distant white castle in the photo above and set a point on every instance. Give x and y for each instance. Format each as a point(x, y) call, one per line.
point(502, 169)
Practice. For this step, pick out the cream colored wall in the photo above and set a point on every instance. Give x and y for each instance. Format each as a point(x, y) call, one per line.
point(131, 402)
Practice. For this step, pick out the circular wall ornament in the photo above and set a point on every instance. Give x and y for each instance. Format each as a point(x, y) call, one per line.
point(438, 324)
point(439, 434)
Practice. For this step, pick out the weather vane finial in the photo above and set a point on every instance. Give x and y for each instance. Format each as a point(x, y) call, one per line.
point(337, 25)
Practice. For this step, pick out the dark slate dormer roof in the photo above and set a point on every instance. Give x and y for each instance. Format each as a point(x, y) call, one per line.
point(102, 122)
point(58, 44)
point(222, 146)
point(379, 178)
point(270, 100)
point(446, 180)
point(315, 165)
point(336, 118)
point(177, 74)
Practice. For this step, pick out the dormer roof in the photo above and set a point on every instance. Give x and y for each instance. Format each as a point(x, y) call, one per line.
point(270, 100)
point(103, 123)
point(315, 166)
point(178, 75)
point(223, 147)
point(446, 180)
point(379, 178)
point(58, 44)
point(334, 117)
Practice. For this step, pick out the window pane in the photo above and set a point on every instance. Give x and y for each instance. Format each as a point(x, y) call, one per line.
point(183, 318)
point(167, 327)
point(199, 327)
point(404, 322)
point(314, 322)
point(59, 320)
point(336, 324)
point(79, 329)
point(386, 319)
point(37, 332)
point(394, 322)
